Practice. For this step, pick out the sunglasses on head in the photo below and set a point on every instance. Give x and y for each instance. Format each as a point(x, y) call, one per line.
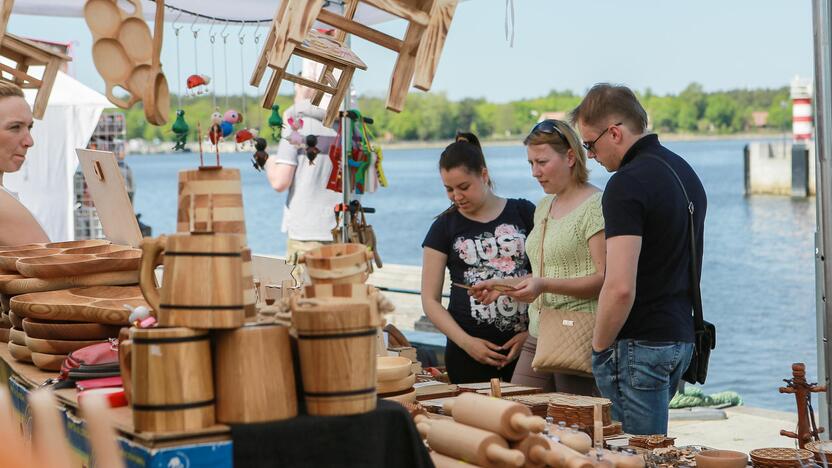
point(549, 127)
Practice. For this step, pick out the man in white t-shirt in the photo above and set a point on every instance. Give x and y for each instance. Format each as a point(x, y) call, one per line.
point(309, 213)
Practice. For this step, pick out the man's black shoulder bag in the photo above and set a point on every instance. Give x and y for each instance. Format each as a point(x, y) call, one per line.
point(705, 332)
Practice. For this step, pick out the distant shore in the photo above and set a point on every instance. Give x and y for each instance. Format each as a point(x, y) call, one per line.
point(139, 146)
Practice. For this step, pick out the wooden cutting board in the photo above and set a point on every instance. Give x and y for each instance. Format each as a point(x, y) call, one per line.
point(18, 284)
point(101, 304)
point(62, 265)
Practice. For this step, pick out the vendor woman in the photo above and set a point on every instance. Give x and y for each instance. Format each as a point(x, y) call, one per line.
point(17, 225)
point(480, 237)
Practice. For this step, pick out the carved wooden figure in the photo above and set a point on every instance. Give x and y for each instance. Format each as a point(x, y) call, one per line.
point(806, 429)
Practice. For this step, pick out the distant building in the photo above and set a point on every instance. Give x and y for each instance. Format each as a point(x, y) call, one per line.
point(759, 119)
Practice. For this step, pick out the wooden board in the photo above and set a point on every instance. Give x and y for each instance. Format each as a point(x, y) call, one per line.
point(101, 304)
point(18, 284)
point(109, 194)
point(61, 265)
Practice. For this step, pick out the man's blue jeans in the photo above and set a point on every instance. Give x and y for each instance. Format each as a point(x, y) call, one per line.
point(640, 378)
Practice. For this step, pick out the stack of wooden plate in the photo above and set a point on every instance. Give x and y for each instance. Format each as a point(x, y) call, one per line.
point(780, 457)
point(5, 322)
point(17, 345)
point(395, 379)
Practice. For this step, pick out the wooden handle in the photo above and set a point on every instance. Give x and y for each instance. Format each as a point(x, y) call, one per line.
point(125, 361)
point(510, 457)
point(158, 30)
point(534, 424)
point(541, 456)
point(301, 258)
point(151, 249)
point(423, 429)
point(448, 407)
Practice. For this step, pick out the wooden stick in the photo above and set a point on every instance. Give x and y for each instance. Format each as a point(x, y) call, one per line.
point(496, 391)
point(199, 138)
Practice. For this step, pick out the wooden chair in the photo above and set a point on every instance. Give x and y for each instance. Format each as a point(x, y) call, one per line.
point(25, 53)
point(428, 23)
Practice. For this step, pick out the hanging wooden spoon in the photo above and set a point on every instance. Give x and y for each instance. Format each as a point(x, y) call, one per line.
point(157, 94)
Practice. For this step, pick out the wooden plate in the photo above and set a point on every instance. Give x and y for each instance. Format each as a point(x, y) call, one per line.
point(17, 336)
point(103, 17)
point(48, 362)
point(8, 259)
point(97, 249)
point(393, 386)
point(406, 397)
point(392, 368)
point(38, 345)
point(19, 284)
point(77, 243)
point(68, 330)
point(3, 250)
point(134, 36)
point(4, 335)
point(21, 353)
point(81, 304)
point(111, 61)
point(16, 320)
point(56, 266)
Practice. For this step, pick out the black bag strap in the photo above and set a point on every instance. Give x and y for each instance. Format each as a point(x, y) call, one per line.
point(698, 320)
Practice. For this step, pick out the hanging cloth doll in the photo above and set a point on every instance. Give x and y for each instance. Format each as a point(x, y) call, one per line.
point(275, 122)
point(335, 182)
point(180, 128)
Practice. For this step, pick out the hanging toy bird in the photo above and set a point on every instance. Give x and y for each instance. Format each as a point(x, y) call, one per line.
point(197, 84)
point(312, 148)
point(229, 119)
point(215, 130)
point(275, 122)
point(180, 128)
point(295, 137)
point(261, 156)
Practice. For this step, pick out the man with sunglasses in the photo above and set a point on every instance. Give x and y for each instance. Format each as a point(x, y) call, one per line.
point(643, 337)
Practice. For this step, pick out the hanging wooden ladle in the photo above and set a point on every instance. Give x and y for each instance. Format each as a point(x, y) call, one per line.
point(157, 93)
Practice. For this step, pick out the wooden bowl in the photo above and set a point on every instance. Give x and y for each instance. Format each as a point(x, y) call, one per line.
point(21, 353)
point(17, 336)
point(406, 397)
point(38, 345)
point(393, 386)
point(48, 362)
point(97, 249)
point(8, 260)
point(70, 331)
point(392, 368)
point(16, 320)
point(4, 335)
point(721, 459)
point(77, 243)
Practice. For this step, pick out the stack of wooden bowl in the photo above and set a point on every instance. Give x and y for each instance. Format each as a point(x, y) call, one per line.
point(64, 296)
point(395, 379)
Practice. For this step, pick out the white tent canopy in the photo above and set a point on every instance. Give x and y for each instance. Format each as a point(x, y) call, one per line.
point(45, 182)
point(237, 10)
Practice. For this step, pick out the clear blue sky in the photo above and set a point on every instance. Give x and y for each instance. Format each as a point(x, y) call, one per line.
point(660, 44)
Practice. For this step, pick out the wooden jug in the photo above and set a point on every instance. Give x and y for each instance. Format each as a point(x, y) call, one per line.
point(202, 283)
point(470, 444)
point(172, 381)
point(255, 380)
point(511, 420)
point(337, 353)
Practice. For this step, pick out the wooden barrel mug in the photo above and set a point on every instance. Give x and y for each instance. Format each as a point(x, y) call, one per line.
point(337, 353)
point(202, 283)
point(255, 380)
point(211, 200)
point(172, 382)
point(337, 263)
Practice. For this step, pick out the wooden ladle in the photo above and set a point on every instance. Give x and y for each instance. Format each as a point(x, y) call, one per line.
point(157, 94)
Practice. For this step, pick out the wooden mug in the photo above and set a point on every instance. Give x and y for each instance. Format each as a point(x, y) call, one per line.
point(202, 285)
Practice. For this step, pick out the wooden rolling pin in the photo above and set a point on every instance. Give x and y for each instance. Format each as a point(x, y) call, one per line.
point(469, 444)
point(511, 420)
point(572, 438)
point(536, 449)
point(620, 459)
point(567, 457)
point(441, 461)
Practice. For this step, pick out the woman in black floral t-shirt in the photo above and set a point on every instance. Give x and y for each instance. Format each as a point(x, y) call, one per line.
point(480, 237)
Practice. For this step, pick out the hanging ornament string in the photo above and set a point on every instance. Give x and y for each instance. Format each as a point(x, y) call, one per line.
point(509, 23)
point(212, 37)
point(195, 30)
point(225, 60)
point(176, 28)
point(242, 37)
point(256, 50)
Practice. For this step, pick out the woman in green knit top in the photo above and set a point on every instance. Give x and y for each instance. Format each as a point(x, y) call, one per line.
point(573, 250)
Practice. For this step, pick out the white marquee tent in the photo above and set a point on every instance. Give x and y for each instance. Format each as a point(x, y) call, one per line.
point(45, 182)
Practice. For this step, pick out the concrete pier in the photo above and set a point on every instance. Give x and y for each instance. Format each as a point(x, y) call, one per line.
point(779, 168)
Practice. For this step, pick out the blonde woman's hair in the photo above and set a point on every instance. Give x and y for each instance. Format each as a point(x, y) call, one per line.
point(8, 89)
point(562, 142)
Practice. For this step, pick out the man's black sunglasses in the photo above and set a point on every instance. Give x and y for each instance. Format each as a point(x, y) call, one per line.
point(550, 127)
point(590, 145)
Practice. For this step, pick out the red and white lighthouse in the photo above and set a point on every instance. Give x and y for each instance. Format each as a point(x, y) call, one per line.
point(802, 127)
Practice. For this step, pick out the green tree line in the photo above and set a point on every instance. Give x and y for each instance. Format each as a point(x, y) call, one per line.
point(432, 116)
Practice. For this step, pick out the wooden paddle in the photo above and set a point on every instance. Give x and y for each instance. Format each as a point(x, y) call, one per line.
point(157, 94)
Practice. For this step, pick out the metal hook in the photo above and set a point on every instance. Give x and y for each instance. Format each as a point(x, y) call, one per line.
point(194, 29)
point(257, 33)
point(223, 33)
point(176, 27)
point(240, 34)
point(211, 34)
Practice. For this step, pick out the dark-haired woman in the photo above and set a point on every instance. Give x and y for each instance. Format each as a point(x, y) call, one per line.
point(481, 236)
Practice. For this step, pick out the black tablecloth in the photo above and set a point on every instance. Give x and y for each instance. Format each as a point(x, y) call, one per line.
point(381, 438)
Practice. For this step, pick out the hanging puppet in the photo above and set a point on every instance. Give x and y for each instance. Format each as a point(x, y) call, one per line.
point(245, 135)
point(275, 122)
point(261, 156)
point(295, 124)
point(180, 128)
point(215, 130)
point(312, 150)
point(197, 84)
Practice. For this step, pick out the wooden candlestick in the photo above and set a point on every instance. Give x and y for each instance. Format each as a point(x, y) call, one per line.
point(470, 444)
point(802, 391)
point(511, 420)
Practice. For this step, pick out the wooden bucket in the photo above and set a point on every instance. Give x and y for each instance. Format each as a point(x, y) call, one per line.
point(211, 200)
point(337, 353)
point(337, 263)
point(202, 284)
point(255, 378)
point(172, 385)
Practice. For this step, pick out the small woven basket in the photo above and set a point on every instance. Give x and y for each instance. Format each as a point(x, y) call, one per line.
point(822, 450)
point(780, 457)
